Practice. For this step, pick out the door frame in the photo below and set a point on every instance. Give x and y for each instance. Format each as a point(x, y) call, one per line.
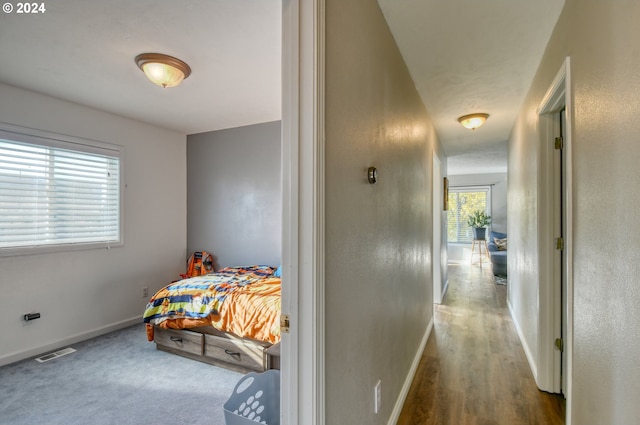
point(438, 204)
point(548, 378)
point(302, 349)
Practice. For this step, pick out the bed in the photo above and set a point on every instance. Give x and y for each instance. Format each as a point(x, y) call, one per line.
point(230, 318)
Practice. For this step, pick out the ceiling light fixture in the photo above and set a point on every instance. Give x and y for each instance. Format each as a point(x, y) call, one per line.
point(163, 70)
point(473, 121)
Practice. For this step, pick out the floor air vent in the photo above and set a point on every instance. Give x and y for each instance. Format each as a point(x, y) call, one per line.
point(55, 355)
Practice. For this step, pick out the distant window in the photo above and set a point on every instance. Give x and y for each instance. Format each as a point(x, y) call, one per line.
point(462, 202)
point(57, 192)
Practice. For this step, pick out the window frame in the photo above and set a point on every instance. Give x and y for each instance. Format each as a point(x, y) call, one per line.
point(472, 188)
point(49, 139)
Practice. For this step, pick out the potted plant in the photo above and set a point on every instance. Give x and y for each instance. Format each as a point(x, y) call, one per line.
point(479, 220)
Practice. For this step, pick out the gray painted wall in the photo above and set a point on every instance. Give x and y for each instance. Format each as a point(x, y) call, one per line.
point(601, 39)
point(234, 195)
point(378, 238)
point(88, 292)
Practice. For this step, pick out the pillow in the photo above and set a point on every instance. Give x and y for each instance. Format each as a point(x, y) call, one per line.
point(497, 235)
point(278, 272)
point(501, 244)
point(258, 271)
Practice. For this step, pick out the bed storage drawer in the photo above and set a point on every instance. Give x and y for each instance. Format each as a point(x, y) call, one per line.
point(181, 341)
point(235, 351)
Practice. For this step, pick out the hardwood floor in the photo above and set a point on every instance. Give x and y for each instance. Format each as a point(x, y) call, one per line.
point(473, 370)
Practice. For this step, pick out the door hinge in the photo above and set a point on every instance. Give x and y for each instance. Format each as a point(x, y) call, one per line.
point(559, 344)
point(560, 243)
point(559, 144)
point(284, 323)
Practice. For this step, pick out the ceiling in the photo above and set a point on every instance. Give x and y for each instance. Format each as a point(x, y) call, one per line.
point(464, 56)
point(84, 51)
point(469, 56)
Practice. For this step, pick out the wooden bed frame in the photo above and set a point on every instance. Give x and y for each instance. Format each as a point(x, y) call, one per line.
point(210, 345)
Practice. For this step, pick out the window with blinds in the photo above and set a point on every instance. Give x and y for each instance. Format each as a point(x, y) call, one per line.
point(57, 193)
point(462, 202)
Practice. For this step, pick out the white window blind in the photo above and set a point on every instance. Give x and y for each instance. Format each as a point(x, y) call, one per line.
point(463, 201)
point(54, 192)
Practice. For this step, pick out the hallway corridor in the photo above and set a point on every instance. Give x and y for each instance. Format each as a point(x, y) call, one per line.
point(473, 370)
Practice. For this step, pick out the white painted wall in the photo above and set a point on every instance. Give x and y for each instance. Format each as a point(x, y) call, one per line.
point(84, 293)
point(498, 182)
point(378, 238)
point(600, 37)
point(235, 194)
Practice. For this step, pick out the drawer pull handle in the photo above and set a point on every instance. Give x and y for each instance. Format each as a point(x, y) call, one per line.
point(176, 339)
point(233, 354)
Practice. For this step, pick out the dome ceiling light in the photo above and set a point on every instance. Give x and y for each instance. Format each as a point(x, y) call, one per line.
point(163, 70)
point(473, 121)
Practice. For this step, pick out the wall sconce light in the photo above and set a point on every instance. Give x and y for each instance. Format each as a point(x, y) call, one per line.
point(163, 70)
point(473, 121)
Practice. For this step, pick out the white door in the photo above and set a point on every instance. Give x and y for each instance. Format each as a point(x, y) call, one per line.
point(561, 218)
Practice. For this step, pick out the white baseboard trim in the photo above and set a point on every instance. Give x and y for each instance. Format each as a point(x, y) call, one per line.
point(523, 341)
point(21, 355)
point(397, 409)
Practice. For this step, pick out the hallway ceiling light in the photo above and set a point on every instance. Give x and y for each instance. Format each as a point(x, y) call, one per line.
point(163, 70)
point(473, 121)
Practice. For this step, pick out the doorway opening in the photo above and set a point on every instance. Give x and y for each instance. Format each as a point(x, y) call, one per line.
point(555, 342)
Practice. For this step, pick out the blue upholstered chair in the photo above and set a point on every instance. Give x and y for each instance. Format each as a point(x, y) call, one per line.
point(498, 257)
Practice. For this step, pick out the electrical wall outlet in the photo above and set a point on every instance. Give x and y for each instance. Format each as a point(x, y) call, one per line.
point(377, 394)
point(145, 292)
